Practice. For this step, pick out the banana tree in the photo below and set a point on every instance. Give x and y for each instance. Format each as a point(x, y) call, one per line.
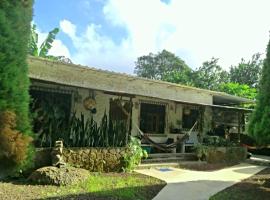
point(43, 50)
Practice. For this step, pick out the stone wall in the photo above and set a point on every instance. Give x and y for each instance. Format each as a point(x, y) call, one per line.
point(43, 157)
point(93, 159)
point(229, 155)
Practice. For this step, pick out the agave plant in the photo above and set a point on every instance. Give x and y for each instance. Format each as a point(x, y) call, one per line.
point(80, 132)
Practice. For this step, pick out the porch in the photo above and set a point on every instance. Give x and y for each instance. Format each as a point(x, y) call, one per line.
point(164, 111)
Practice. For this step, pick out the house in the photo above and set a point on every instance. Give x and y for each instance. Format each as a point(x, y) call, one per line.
point(161, 109)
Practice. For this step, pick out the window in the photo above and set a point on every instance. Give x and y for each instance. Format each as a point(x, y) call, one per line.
point(190, 116)
point(152, 118)
point(116, 113)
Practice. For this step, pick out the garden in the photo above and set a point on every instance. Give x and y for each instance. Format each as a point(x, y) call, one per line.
point(45, 153)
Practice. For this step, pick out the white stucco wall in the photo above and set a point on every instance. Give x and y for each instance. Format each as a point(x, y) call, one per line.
point(174, 111)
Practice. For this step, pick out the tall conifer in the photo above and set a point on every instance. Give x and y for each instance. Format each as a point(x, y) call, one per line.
point(15, 21)
point(259, 126)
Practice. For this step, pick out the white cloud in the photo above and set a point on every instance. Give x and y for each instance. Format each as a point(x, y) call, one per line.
point(68, 28)
point(193, 29)
point(59, 49)
point(199, 29)
point(94, 49)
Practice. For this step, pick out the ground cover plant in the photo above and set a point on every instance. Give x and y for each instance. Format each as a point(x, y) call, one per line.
point(98, 186)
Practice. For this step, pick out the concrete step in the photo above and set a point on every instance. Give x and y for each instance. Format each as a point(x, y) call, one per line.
point(164, 160)
point(181, 164)
point(166, 155)
point(157, 165)
point(169, 157)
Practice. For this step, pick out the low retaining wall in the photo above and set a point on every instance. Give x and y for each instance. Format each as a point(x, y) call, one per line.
point(227, 155)
point(93, 159)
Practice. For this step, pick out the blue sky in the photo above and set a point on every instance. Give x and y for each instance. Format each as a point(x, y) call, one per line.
point(111, 34)
point(80, 12)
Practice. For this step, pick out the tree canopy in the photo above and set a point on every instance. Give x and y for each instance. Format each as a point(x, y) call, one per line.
point(241, 80)
point(247, 72)
point(237, 89)
point(210, 75)
point(163, 66)
point(259, 126)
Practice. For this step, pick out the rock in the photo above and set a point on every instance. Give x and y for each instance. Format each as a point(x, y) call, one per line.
point(112, 151)
point(93, 155)
point(58, 176)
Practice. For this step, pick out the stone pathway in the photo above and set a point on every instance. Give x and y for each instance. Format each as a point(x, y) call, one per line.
point(198, 185)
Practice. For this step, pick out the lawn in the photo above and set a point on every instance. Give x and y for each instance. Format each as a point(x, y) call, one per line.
point(98, 186)
point(255, 187)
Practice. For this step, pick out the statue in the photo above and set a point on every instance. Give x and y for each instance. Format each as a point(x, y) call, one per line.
point(57, 154)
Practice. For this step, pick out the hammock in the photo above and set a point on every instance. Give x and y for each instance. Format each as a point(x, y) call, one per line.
point(165, 147)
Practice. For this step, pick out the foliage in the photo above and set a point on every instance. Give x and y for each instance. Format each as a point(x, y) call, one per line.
point(43, 50)
point(201, 151)
point(210, 75)
point(247, 72)
point(87, 133)
point(242, 80)
point(50, 119)
point(13, 144)
point(163, 66)
point(78, 131)
point(259, 126)
point(136, 153)
point(217, 141)
point(238, 90)
point(15, 19)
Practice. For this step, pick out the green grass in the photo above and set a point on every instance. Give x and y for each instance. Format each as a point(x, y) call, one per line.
point(114, 186)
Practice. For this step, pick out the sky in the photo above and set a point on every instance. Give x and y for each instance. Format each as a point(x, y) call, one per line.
point(112, 34)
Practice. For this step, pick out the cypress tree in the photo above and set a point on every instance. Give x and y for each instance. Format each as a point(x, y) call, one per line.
point(15, 21)
point(259, 126)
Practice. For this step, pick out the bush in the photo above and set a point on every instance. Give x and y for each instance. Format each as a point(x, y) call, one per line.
point(201, 151)
point(136, 153)
point(218, 141)
point(13, 144)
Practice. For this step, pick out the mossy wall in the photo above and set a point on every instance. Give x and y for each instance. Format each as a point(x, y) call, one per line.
point(228, 155)
point(92, 159)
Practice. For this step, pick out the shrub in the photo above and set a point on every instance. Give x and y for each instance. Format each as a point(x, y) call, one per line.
point(201, 151)
point(218, 141)
point(13, 144)
point(132, 159)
